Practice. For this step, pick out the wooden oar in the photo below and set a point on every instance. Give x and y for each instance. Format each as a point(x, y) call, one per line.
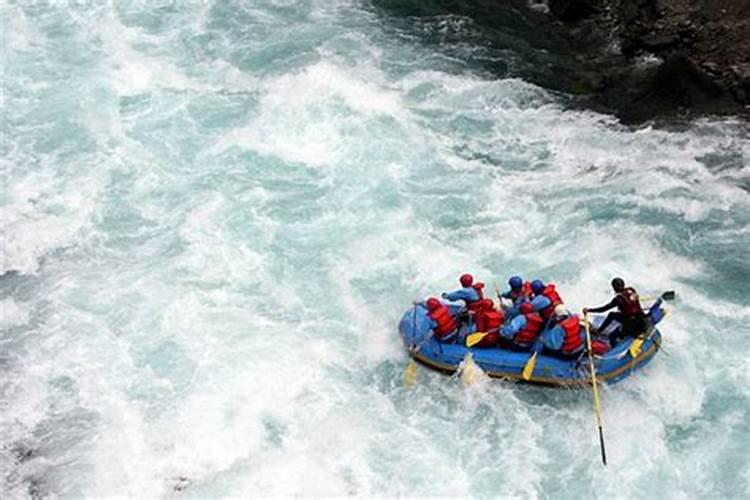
point(597, 406)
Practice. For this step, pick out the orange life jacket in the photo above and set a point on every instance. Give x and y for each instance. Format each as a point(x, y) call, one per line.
point(488, 320)
point(527, 335)
point(572, 341)
point(446, 324)
point(631, 304)
point(554, 298)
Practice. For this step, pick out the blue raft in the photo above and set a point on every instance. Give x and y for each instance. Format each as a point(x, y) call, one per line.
point(612, 367)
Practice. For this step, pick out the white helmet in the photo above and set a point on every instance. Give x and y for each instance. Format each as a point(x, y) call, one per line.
point(561, 310)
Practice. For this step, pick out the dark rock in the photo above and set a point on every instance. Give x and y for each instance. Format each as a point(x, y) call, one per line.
point(571, 10)
point(658, 41)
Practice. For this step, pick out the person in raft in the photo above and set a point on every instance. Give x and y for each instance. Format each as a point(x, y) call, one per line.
point(545, 299)
point(443, 324)
point(488, 320)
point(468, 293)
point(629, 313)
point(521, 332)
point(566, 339)
point(520, 290)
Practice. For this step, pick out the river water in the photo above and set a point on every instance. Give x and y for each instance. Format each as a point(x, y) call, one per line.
point(214, 213)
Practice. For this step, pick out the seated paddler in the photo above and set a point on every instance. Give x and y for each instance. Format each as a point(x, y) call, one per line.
point(521, 332)
point(443, 324)
point(545, 298)
point(488, 320)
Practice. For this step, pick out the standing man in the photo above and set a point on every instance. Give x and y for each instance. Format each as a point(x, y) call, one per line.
point(629, 313)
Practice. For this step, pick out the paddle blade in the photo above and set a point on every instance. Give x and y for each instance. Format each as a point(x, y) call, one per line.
point(668, 295)
point(410, 376)
point(529, 368)
point(468, 370)
point(635, 347)
point(475, 338)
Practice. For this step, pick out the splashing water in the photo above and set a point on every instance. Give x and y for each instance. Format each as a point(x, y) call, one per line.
point(213, 215)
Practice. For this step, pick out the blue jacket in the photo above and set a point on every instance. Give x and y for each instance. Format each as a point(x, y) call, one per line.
point(467, 294)
point(517, 324)
point(540, 302)
point(552, 339)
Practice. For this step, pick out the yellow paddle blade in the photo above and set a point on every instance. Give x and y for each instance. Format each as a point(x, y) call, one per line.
point(468, 371)
point(410, 376)
point(475, 338)
point(529, 368)
point(635, 347)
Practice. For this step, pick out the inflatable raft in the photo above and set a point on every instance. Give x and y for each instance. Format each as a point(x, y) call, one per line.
point(611, 367)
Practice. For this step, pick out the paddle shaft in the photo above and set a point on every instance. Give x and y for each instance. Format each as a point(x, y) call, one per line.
point(597, 405)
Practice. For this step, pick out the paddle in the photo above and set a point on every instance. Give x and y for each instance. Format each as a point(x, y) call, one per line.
point(474, 338)
point(528, 369)
point(597, 406)
point(668, 296)
point(411, 369)
point(637, 345)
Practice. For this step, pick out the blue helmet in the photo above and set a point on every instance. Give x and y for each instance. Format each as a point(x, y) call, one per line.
point(515, 282)
point(537, 286)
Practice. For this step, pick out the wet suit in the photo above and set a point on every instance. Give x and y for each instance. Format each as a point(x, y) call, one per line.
point(629, 315)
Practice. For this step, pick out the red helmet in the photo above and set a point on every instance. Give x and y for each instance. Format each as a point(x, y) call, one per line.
point(527, 308)
point(433, 303)
point(487, 304)
point(466, 279)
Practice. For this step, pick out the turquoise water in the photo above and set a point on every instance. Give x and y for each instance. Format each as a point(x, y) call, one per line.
point(213, 215)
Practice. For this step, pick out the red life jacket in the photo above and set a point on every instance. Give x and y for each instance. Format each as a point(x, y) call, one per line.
point(524, 293)
point(474, 307)
point(446, 324)
point(489, 340)
point(488, 320)
point(554, 298)
point(631, 304)
point(572, 341)
point(526, 336)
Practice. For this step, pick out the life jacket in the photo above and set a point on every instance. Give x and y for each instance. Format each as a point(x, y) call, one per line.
point(572, 341)
point(446, 324)
point(523, 294)
point(631, 304)
point(488, 320)
point(554, 298)
point(527, 335)
point(489, 340)
point(474, 307)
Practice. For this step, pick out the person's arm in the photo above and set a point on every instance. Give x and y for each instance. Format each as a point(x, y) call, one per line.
point(612, 303)
point(540, 302)
point(553, 338)
point(511, 329)
point(465, 294)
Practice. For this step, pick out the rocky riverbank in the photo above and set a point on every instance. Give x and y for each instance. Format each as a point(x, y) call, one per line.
point(665, 57)
point(638, 59)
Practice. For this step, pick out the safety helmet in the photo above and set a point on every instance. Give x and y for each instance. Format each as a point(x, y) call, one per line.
point(537, 286)
point(432, 303)
point(487, 304)
point(466, 279)
point(515, 282)
point(618, 284)
point(527, 308)
point(561, 310)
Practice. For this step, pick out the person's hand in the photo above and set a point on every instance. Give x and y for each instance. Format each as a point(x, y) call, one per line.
point(585, 311)
point(444, 295)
